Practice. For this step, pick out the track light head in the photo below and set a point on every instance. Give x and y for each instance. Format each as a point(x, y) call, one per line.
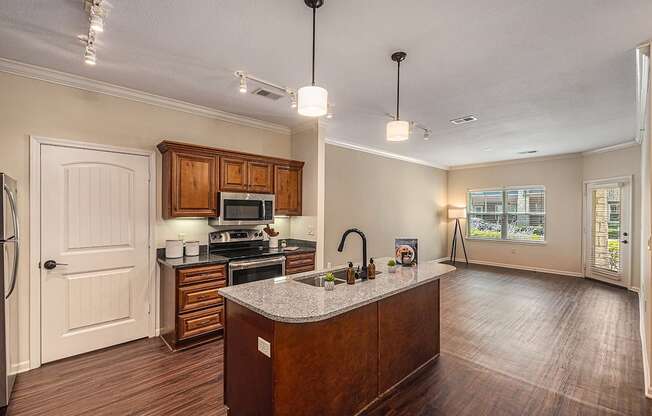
point(243, 83)
point(97, 19)
point(426, 134)
point(89, 56)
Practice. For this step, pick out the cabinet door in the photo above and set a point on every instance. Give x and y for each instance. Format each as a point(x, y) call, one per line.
point(260, 177)
point(193, 186)
point(233, 174)
point(287, 185)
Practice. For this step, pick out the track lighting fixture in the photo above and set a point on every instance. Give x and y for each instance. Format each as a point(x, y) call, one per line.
point(426, 135)
point(243, 84)
point(291, 93)
point(313, 100)
point(89, 56)
point(96, 14)
point(293, 98)
point(398, 130)
point(96, 19)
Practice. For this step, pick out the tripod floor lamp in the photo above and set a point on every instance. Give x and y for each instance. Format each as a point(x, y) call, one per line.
point(457, 213)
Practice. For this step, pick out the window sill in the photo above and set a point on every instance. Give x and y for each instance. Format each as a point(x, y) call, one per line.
point(528, 243)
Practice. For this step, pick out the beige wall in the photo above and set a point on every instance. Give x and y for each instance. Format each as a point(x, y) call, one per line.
point(305, 148)
point(624, 162)
point(563, 181)
point(563, 178)
point(31, 107)
point(386, 199)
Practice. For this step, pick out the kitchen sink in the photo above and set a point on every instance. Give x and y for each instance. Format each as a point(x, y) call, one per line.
point(318, 279)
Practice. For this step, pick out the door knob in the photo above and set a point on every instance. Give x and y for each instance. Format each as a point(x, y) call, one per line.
point(51, 264)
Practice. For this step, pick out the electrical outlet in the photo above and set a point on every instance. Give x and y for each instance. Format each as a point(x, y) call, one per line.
point(265, 347)
point(513, 251)
point(311, 230)
point(181, 236)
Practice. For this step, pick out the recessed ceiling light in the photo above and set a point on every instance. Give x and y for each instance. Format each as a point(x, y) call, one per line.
point(487, 149)
point(464, 120)
point(527, 152)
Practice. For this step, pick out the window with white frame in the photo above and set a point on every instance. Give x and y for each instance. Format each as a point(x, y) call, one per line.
point(514, 213)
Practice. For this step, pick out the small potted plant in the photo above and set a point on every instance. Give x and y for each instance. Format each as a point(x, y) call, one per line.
point(391, 266)
point(329, 281)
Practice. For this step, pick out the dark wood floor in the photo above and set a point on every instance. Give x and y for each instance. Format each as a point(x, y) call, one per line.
point(513, 343)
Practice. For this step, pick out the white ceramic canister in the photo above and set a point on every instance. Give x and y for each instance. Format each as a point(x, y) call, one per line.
point(173, 249)
point(192, 248)
point(273, 242)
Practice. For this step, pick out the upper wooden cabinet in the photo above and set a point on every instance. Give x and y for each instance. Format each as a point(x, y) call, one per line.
point(189, 185)
point(241, 175)
point(287, 184)
point(233, 174)
point(194, 175)
point(260, 177)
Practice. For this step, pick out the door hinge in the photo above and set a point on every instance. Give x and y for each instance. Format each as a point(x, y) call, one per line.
point(148, 309)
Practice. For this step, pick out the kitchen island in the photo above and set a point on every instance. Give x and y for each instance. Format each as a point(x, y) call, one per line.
point(296, 349)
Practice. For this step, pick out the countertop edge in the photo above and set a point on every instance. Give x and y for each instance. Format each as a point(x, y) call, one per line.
point(318, 318)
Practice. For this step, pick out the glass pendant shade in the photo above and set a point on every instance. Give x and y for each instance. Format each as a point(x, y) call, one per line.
point(398, 130)
point(313, 101)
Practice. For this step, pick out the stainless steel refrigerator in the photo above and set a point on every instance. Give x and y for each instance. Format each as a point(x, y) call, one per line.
point(10, 244)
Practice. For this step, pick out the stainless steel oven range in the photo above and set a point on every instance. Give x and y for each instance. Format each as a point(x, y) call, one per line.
point(250, 258)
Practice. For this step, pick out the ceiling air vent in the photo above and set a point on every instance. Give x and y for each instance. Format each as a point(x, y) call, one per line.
point(464, 120)
point(267, 94)
point(527, 152)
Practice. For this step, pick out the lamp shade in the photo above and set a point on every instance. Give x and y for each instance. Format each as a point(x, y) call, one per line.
point(456, 213)
point(313, 101)
point(398, 131)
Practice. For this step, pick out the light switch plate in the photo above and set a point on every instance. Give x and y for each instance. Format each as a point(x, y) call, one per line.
point(265, 347)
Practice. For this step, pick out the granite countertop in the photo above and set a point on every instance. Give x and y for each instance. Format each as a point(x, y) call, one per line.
point(204, 259)
point(284, 300)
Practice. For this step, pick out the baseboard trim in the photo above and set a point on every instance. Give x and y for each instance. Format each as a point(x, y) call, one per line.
point(23, 366)
point(521, 267)
point(439, 260)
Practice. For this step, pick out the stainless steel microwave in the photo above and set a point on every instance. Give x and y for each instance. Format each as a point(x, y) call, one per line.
point(244, 209)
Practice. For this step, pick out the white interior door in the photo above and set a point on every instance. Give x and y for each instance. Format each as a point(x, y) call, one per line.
point(95, 224)
point(607, 231)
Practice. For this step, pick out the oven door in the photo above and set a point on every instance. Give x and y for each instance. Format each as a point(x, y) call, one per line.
point(245, 209)
point(246, 271)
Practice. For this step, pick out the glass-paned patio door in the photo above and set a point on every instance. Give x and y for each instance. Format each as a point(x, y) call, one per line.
point(607, 233)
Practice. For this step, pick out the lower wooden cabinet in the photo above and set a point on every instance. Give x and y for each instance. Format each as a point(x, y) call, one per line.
point(191, 307)
point(201, 322)
point(299, 263)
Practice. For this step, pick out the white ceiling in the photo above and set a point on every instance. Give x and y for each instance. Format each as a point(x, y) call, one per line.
point(555, 76)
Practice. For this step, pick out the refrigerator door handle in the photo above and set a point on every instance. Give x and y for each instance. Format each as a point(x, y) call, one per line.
point(12, 203)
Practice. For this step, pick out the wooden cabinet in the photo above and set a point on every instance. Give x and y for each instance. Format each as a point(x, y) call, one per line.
point(189, 185)
point(233, 174)
point(287, 185)
point(299, 263)
point(194, 175)
point(260, 177)
point(191, 307)
point(240, 175)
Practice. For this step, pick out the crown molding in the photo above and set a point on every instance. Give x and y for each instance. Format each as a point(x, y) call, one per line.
point(383, 153)
point(517, 161)
point(75, 81)
point(611, 148)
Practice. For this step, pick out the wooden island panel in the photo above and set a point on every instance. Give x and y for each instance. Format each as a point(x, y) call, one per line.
point(337, 366)
point(408, 333)
point(328, 367)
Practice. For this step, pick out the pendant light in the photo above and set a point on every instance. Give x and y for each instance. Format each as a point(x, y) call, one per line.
point(313, 100)
point(398, 130)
